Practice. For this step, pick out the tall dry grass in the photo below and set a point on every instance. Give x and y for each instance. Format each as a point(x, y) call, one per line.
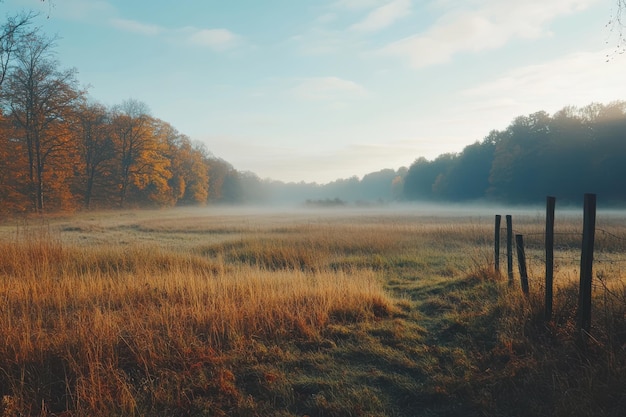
point(126, 330)
point(320, 315)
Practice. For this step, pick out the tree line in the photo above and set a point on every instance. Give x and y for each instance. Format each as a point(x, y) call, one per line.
point(567, 154)
point(61, 150)
point(574, 151)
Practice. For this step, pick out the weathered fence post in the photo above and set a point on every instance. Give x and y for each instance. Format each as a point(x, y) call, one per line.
point(586, 264)
point(550, 204)
point(497, 244)
point(509, 247)
point(521, 262)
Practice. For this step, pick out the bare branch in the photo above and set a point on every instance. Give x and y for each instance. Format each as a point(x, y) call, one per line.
point(12, 33)
point(616, 26)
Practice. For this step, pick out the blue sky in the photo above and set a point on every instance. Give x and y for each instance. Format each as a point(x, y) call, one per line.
point(315, 90)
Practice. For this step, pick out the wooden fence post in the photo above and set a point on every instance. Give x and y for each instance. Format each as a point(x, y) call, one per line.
point(509, 247)
point(497, 244)
point(521, 262)
point(550, 204)
point(586, 264)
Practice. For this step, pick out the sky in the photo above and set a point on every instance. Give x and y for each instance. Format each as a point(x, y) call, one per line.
point(316, 90)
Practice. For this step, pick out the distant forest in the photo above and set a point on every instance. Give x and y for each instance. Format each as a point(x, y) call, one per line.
point(62, 150)
point(572, 152)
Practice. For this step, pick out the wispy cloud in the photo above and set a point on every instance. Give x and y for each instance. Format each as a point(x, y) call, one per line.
point(334, 31)
point(136, 27)
point(357, 4)
point(216, 39)
point(490, 25)
point(575, 79)
point(328, 89)
point(383, 16)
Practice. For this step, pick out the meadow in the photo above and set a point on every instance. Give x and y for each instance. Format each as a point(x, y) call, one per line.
point(216, 312)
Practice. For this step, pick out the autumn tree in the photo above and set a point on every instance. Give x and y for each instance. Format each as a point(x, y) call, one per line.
point(197, 169)
point(219, 170)
point(153, 170)
point(12, 32)
point(13, 178)
point(93, 129)
point(189, 181)
point(38, 97)
point(190, 171)
point(140, 153)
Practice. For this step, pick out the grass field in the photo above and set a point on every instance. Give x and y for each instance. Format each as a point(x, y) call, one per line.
point(330, 313)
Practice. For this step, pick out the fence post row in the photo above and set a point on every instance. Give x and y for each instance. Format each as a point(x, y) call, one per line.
point(497, 244)
point(586, 263)
point(586, 258)
point(550, 204)
point(509, 247)
point(521, 262)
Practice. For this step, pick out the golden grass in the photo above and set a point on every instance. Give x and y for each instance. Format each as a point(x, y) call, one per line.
point(103, 316)
point(322, 314)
